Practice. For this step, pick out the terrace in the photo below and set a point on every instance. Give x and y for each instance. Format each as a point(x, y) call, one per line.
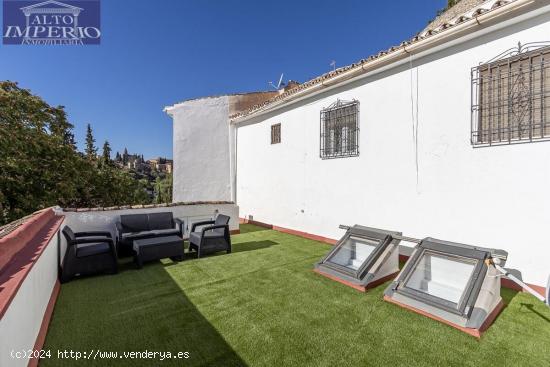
point(264, 305)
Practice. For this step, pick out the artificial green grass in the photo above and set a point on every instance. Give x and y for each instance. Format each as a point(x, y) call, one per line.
point(263, 305)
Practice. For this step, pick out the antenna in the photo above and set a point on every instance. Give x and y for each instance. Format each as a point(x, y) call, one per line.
point(333, 64)
point(279, 84)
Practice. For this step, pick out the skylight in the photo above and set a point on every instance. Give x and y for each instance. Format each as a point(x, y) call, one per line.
point(362, 258)
point(450, 282)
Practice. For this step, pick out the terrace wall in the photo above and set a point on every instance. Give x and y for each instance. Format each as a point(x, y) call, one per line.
point(492, 197)
point(28, 286)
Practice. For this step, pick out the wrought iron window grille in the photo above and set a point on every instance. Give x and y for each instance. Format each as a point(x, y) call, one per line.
point(275, 134)
point(511, 97)
point(339, 130)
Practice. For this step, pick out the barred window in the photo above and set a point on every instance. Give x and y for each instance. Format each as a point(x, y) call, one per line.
point(511, 97)
point(275, 134)
point(340, 130)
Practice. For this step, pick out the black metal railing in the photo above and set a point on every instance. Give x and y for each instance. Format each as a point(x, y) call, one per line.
point(511, 97)
point(339, 130)
point(275, 134)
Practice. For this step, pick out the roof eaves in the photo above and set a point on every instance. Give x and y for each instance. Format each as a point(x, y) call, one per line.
point(471, 14)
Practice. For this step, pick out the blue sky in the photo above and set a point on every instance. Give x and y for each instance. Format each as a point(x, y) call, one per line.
point(156, 53)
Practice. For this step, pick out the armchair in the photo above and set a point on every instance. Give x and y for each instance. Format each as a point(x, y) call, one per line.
point(88, 253)
point(212, 238)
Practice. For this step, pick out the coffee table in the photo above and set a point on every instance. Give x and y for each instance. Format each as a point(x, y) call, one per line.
point(158, 248)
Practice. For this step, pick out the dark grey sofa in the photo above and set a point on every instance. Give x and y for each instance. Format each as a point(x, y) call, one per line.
point(140, 226)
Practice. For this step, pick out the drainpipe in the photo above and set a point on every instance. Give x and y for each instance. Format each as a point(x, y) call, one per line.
point(393, 59)
point(514, 279)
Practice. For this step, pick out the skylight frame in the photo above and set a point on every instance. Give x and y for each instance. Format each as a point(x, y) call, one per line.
point(380, 247)
point(470, 292)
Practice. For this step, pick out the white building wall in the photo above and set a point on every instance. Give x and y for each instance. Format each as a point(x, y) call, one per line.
point(201, 150)
point(494, 197)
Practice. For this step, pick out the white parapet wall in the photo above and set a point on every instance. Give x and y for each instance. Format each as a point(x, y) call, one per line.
point(29, 288)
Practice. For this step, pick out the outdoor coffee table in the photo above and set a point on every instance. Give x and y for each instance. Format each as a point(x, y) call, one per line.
point(158, 248)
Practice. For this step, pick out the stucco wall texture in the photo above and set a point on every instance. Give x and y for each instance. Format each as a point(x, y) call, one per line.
point(492, 197)
point(203, 142)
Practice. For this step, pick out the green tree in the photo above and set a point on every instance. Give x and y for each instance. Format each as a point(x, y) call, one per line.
point(106, 156)
point(40, 166)
point(163, 189)
point(38, 162)
point(451, 3)
point(91, 150)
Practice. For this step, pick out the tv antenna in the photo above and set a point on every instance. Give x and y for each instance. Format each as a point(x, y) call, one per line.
point(278, 86)
point(333, 64)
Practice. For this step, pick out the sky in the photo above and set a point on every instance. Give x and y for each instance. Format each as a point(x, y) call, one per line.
point(156, 53)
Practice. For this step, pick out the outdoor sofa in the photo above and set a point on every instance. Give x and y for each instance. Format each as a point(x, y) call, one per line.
point(133, 227)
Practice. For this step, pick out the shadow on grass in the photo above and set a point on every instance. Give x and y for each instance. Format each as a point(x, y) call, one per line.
point(531, 308)
point(253, 245)
point(135, 310)
point(249, 228)
point(235, 248)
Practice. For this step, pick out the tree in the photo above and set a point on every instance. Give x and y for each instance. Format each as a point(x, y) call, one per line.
point(125, 157)
point(451, 3)
point(40, 166)
point(163, 189)
point(91, 150)
point(106, 156)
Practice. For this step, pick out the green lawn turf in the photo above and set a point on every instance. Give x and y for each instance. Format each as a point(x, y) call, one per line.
point(263, 305)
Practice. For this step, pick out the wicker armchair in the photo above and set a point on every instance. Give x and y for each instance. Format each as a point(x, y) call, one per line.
point(88, 253)
point(212, 238)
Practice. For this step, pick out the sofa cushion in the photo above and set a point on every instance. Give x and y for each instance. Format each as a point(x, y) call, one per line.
point(162, 220)
point(137, 235)
point(92, 249)
point(134, 222)
point(195, 237)
point(166, 232)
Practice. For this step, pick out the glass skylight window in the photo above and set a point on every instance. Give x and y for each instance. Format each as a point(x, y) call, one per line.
point(450, 282)
point(442, 276)
point(364, 257)
point(354, 252)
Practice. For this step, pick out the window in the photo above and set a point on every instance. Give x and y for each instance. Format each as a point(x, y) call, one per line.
point(275, 134)
point(444, 275)
point(353, 252)
point(441, 276)
point(340, 130)
point(361, 256)
point(511, 97)
point(454, 283)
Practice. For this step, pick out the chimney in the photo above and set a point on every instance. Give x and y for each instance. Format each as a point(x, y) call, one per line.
point(291, 84)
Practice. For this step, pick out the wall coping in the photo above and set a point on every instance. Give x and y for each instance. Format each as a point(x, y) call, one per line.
point(20, 250)
point(146, 206)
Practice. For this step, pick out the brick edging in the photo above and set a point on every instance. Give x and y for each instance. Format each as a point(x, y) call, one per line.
point(43, 331)
point(14, 274)
point(506, 283)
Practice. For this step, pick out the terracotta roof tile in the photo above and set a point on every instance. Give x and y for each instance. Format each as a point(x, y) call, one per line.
point(463, 11)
